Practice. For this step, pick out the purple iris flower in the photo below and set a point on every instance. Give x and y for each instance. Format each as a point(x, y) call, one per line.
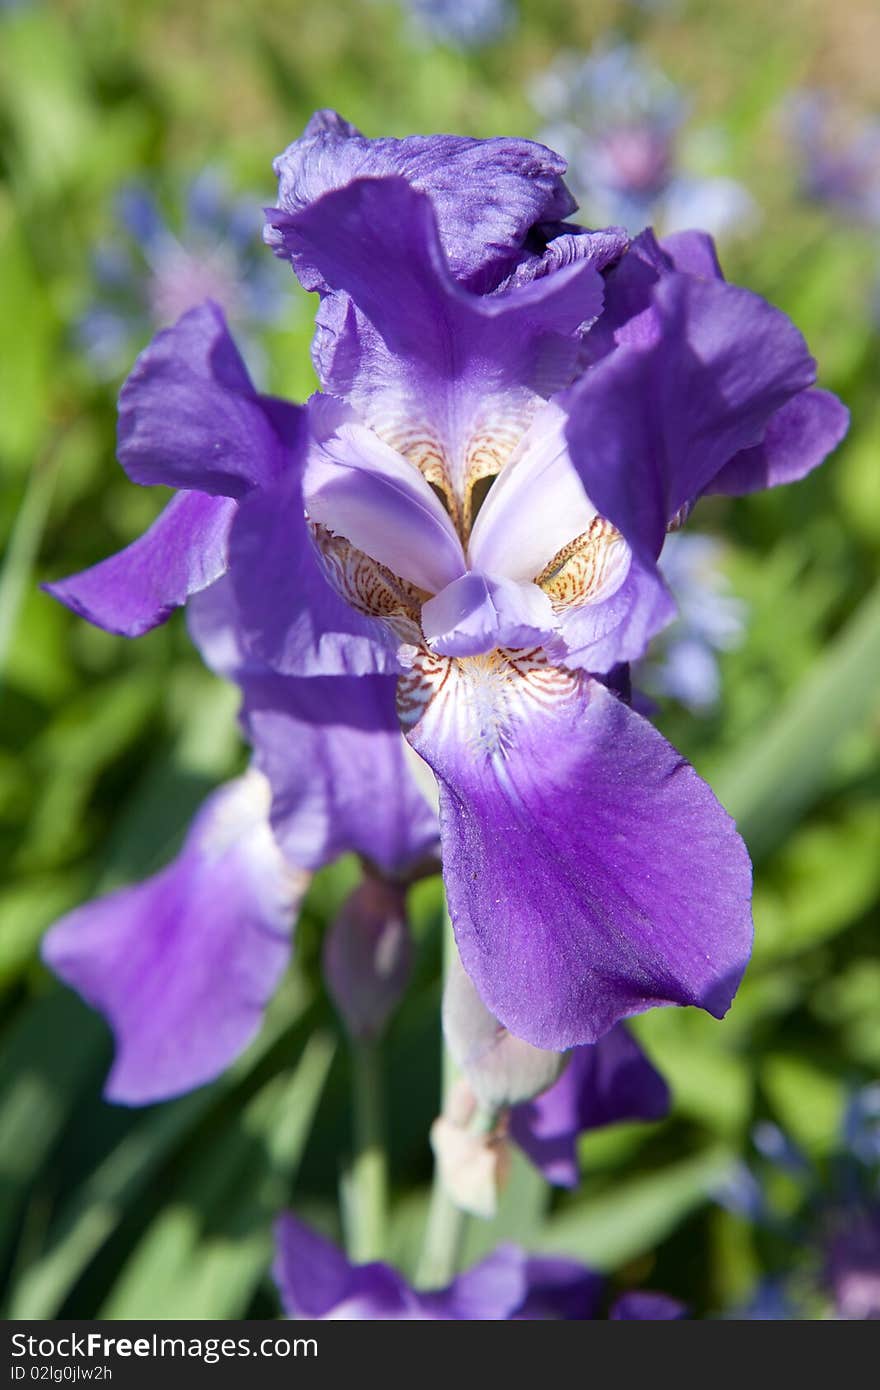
point(619, 122)
point(315, 1280)
point(513, 411)
point(149, 274)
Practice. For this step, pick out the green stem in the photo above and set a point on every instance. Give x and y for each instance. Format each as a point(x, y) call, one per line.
point(24, 544)
point(367, 1186)
point(446, 1225)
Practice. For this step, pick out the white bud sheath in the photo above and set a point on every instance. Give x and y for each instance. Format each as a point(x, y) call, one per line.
point(502, 1070)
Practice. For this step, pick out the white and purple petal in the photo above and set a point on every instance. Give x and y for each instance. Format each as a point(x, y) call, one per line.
point(590, 873)
point(359, 487)
point(479, 612)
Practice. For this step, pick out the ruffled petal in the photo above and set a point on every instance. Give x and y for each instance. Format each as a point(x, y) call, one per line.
point(603, 1084)
point(183, 552)
point(590, 873)
point(699, 378)
point(190, 418)
point(799, 437)
point(487, 194)
point(448, 378)
point(183, 965)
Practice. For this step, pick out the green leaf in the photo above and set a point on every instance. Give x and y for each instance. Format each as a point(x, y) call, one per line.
point(631, 1217)
point(48, 1055)
point(94, 1211)
point(207, 1251)
point(768, 784)
point(807, 1098)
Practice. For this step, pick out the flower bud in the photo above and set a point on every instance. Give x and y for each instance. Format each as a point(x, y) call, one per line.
point(368, 956)
point(501, 1069)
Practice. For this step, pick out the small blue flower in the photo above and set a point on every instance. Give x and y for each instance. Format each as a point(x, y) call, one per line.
point(838, 157)
point(683, 665)
point(147, 276)
point(618, 120)
point(462, 23)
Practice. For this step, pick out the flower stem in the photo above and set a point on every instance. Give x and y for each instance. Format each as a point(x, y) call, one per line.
point(446, 1225)
point(367, 1186)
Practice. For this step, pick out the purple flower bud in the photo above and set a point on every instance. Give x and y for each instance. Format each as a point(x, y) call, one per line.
point(368, 956)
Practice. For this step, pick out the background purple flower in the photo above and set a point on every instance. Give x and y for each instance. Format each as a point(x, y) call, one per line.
point(683, 662)
point(837, 154)
point(155, 268)
point(462, 23)
point(619, 121)
point(315, 1280)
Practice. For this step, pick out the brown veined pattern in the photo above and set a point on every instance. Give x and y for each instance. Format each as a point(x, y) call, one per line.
point(454, 479)
point(369, 587)
point(584, 569)
point(482, 698)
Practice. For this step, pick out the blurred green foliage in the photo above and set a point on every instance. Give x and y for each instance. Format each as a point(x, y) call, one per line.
point(106, 747)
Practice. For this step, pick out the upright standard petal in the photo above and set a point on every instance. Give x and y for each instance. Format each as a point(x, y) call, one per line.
point(182, 553)
point(487, 194)
point(603, 1084)
point(182, 965)
point(448, 378)
point(590, 873)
